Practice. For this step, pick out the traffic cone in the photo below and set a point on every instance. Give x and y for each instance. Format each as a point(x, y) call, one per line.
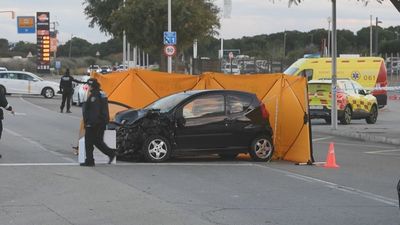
point(330, 158)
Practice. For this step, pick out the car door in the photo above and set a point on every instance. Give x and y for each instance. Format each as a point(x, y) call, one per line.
point(22, 83)
point(13, 83)
point(241, 126)
point(201, 123)
point(34, 84)
point(363, 104)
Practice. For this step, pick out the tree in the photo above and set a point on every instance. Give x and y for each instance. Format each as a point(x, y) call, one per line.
point(396, 3)
point(145, 21)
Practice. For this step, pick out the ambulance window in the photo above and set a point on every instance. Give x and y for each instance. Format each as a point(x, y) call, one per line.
point(307, 73)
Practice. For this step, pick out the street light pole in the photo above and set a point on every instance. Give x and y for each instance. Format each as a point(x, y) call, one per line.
point(328, 52)
point(284, 44)
point(376, 36)
point(370, 35)
point(169, 30)
point(334, 58)
point(124, 48)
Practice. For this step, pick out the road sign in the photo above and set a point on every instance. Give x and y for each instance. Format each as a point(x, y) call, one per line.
point(169, 38)
point(169, 50)
point(26, 24)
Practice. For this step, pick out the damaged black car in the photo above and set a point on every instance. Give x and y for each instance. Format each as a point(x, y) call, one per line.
point(223, 122)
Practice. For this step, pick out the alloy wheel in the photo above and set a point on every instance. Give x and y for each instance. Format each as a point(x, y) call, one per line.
point(157, 149)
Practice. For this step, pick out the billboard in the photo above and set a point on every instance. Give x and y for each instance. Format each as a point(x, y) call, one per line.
point(26, 24)
point(43, 42)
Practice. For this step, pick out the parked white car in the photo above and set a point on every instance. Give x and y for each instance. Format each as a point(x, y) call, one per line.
point(80, 92)
point(235, 69)
point(20, 82)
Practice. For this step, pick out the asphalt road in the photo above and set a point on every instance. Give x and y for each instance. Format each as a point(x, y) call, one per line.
point(41, 182)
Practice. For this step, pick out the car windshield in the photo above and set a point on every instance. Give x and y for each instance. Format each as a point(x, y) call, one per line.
point(167, 103)
point(291, 70)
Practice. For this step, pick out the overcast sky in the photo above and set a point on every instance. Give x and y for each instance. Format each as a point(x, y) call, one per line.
point(248, 17)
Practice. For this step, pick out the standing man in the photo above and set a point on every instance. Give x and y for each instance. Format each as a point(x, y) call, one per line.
point(95, 118)
point(67, 90)
point(4, 104)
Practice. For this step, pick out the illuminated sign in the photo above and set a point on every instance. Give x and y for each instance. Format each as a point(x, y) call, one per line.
point(26, 24)
point(43, 41)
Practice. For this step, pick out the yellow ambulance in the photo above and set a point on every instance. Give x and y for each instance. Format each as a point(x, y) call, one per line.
point(369, 72)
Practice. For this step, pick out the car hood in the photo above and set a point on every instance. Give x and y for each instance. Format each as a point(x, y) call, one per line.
point(132, 115)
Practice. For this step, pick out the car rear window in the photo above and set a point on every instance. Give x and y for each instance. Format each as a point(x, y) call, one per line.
point(319, 87)
point(238, 103)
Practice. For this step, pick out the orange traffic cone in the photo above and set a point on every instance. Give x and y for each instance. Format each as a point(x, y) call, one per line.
point(330, 158)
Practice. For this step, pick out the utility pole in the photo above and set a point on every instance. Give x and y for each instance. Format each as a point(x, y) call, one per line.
point(328, 52)
point(124, 47)
point(284, 44)
point(376, 36)
point(334, 58)
point(370, 35)
point(169, 30)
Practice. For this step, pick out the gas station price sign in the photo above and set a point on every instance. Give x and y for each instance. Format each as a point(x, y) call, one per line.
point(43, 41)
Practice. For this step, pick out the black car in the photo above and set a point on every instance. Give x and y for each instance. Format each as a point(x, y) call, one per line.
point(220, 122)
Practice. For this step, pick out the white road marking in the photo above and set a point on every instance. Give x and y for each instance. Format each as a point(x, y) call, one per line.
point(37, 144)
point(128, 164)
point(382, 152)
point(19, 114)
point(364, 194)
point(363, 145)
point(321, 139)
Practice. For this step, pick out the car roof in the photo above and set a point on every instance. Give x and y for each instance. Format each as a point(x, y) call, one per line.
point(194, 92)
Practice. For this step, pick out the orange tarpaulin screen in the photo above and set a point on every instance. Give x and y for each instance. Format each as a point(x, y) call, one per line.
point(284, 96)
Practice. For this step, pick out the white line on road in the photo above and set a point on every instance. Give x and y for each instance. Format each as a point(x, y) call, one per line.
point(382, 152)
point(368, 195)
point(37, 144)
point(321, 139)
point(129, 164)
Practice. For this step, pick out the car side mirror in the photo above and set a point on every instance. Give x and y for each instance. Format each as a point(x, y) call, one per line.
point(35, 80)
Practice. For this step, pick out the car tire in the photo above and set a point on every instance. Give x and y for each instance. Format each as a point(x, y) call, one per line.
point(373, 115)
point(156, 149)
point(228, 156)
point(261, 149)
point(48, 92)
point(346, 119)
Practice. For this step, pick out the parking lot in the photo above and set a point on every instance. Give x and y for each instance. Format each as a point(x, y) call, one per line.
point(43, 184)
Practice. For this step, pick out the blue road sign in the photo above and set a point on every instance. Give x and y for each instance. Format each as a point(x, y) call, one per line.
point(169, 38)
point(26, 24)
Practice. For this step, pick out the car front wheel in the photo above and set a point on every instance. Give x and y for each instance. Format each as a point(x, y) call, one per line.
point(156, 149)
point(48, 92)
point(261, 149)
point(346, 119)
point(373, 115)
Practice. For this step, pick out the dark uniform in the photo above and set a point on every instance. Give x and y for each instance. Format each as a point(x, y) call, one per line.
point(95, 118)
point(67, 90)
point(4, 104)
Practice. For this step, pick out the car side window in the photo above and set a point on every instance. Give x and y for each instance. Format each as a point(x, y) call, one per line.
point(307, 73)
point(4, 75)
point(13, 76)
point(22, 76)
point(204, 106)
point(237, 103)
point(357, 87)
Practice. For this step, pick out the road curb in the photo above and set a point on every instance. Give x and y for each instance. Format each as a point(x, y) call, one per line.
point(361, 136)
